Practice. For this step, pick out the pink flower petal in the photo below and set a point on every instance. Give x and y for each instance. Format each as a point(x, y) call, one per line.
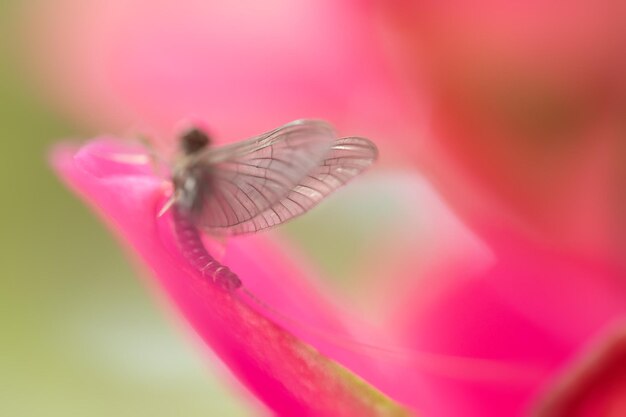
point(529, 308)
point(526, 104)
point(594, 385)
point(288, 375)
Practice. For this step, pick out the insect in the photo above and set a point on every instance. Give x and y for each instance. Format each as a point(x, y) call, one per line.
point(258, 183)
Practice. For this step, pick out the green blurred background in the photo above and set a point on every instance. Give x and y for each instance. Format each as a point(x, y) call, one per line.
point(81, 336)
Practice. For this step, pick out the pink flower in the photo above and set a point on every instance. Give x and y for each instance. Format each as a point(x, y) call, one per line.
point(482, 331)
point(287, 374)
point(521, 136)
point(523, 117)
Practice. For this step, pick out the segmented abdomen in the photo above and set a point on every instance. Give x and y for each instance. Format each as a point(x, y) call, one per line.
point(193, 250)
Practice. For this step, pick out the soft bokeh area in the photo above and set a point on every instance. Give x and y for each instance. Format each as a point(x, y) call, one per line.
point(477, 270)
point(80, 333)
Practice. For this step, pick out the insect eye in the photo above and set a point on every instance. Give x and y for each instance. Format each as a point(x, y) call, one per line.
point(193, 141)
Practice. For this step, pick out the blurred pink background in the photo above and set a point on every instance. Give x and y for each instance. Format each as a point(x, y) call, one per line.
point(488, 243)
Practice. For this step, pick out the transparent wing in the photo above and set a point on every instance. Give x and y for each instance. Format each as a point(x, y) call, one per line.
point(244, 179)
point(346, 159)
